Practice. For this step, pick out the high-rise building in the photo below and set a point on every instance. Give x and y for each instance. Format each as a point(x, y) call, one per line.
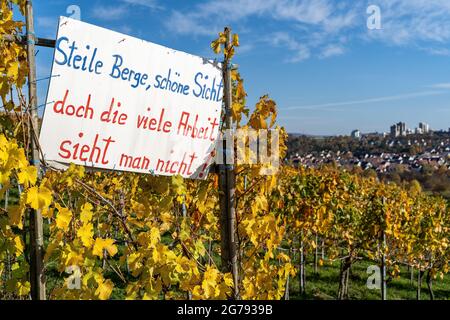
point(425, 127)
point(398, 129)
point(356, 134)
point(402, 128)
point(394, 131)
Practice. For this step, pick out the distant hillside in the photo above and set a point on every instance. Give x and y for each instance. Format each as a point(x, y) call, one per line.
point(296, 135)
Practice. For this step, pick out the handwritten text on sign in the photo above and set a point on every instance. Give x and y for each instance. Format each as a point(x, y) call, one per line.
point(117, 102)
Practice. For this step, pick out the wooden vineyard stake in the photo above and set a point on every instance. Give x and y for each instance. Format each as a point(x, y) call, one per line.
point(227, 182)
point(36, 223)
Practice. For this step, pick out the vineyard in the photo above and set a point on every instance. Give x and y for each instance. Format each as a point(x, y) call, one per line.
point(134, 236)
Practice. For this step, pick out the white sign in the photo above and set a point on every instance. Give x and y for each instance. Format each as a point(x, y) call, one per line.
point(121, 103)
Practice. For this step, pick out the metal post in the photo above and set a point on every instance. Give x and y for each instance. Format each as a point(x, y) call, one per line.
point(383, 268)
point(22, 40)
point(383, 257)
point(36, 223)
point(316, 254)
point(227, 186)
point(302, 276)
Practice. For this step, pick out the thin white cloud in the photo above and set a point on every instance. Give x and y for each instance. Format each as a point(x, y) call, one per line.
point(324, 16)
point(309, 12)
point(440, 86)
point(406, 22)
point(301, 54)
point(152, 4)
point(437, 51)
point(368, 101)
point(324, 28)
point(316, 28)
point(181, 23)
point(299, 51)
point(332, 50)
point(110, 13)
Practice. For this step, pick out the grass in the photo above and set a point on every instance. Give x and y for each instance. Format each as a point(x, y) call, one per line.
point(324, 285)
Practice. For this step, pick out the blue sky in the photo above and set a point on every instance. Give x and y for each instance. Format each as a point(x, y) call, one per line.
point(328, 73)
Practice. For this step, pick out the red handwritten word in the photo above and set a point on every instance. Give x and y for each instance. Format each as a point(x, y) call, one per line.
point(192, 129)
point(70, 110)
point(114, 117)
point(90, 152)
point(153, 123)
point(134, 162)
point(177, 167)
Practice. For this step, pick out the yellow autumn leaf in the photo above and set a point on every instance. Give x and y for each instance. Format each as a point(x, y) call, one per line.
point(104, 289)
point(86, 213)
point(86, 234)
point(222, 37)
point(228, 280)
point(210, 281)
point(215, 45)
point(262, 122)
point(63, 218)
point(235, 40)
point(47, 213)
point(52, 246)
point(199, 248)
point(39, 197)
point(13, 70)
point(18, 244)
point(154, 236)
point(27, 176)
point(71, 257)
point(234, 75)
point(104, 244)
point(240, 92)
point(4, 88)
point(197, 292)
point(273, 182)
point(229, 52)
point(23, 288)
point(15, 214)
point(236, 111)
